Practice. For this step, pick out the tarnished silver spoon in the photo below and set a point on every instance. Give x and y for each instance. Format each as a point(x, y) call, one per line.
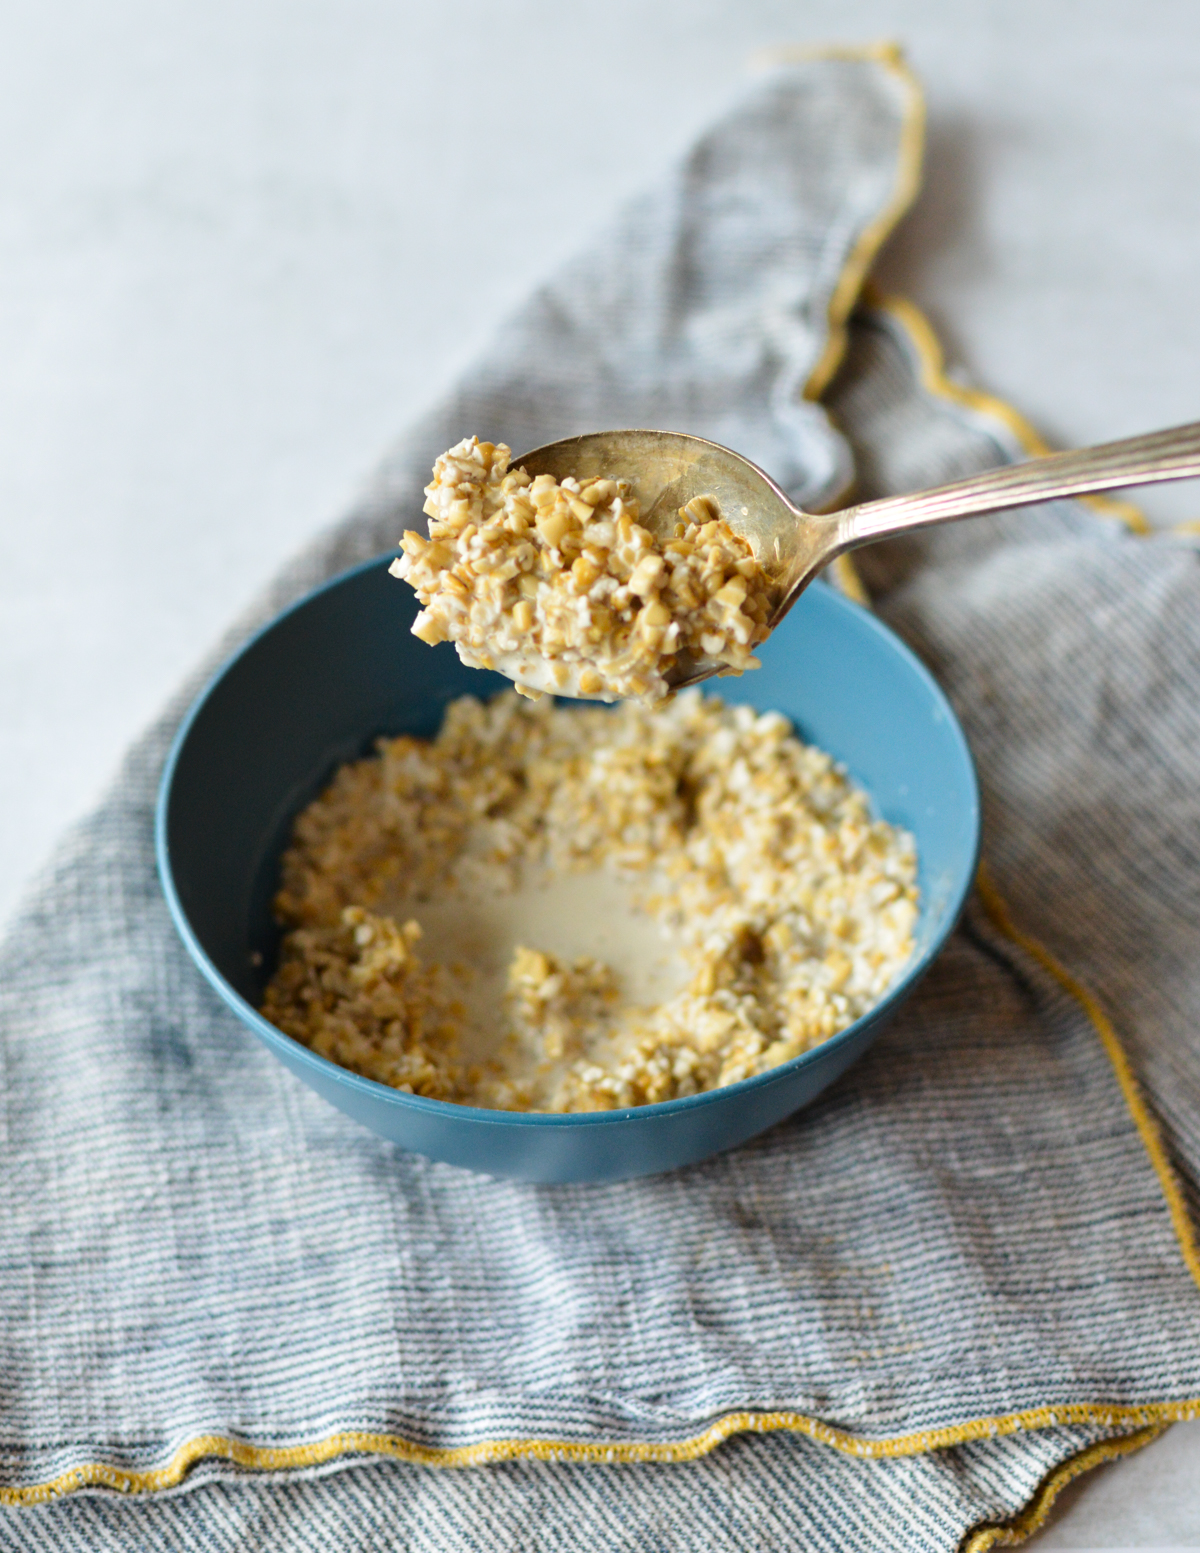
point(668, 469)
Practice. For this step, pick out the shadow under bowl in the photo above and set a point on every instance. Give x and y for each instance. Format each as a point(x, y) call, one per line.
point(339, 669)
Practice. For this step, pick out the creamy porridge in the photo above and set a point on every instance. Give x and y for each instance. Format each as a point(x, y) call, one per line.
point(568, 908)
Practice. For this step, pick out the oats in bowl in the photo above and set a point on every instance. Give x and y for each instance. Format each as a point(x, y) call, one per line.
point(559, 586)
point(563, 909)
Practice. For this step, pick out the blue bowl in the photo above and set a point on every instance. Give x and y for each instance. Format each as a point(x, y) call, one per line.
point(340, 668)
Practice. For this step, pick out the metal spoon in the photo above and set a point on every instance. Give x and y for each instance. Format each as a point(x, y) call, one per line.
point(668, 468)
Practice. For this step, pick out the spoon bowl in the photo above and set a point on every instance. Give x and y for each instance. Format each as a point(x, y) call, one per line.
point(668, 469)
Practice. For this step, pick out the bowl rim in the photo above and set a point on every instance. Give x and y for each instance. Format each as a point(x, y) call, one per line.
point(285, 1047)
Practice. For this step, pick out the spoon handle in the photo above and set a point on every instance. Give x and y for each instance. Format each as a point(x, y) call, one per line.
point(1145, 460)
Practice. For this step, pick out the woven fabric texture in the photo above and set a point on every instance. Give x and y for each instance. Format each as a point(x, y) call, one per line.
point(208, 1268)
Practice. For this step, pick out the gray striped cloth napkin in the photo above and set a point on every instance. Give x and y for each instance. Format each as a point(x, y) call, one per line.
point(231, 1319)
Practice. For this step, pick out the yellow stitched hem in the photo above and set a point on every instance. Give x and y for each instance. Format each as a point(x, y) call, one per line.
point(1036, 1512)
point(1147, 1127)
point(908, 181)
point(263, 1458)
point(928, 351)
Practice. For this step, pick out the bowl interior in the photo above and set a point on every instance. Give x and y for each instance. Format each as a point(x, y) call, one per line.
point(341, 668)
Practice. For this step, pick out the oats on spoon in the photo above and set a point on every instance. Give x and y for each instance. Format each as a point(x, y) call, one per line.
point(558, 584)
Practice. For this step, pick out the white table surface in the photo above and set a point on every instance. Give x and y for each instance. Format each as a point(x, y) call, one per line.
point(242, 242)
